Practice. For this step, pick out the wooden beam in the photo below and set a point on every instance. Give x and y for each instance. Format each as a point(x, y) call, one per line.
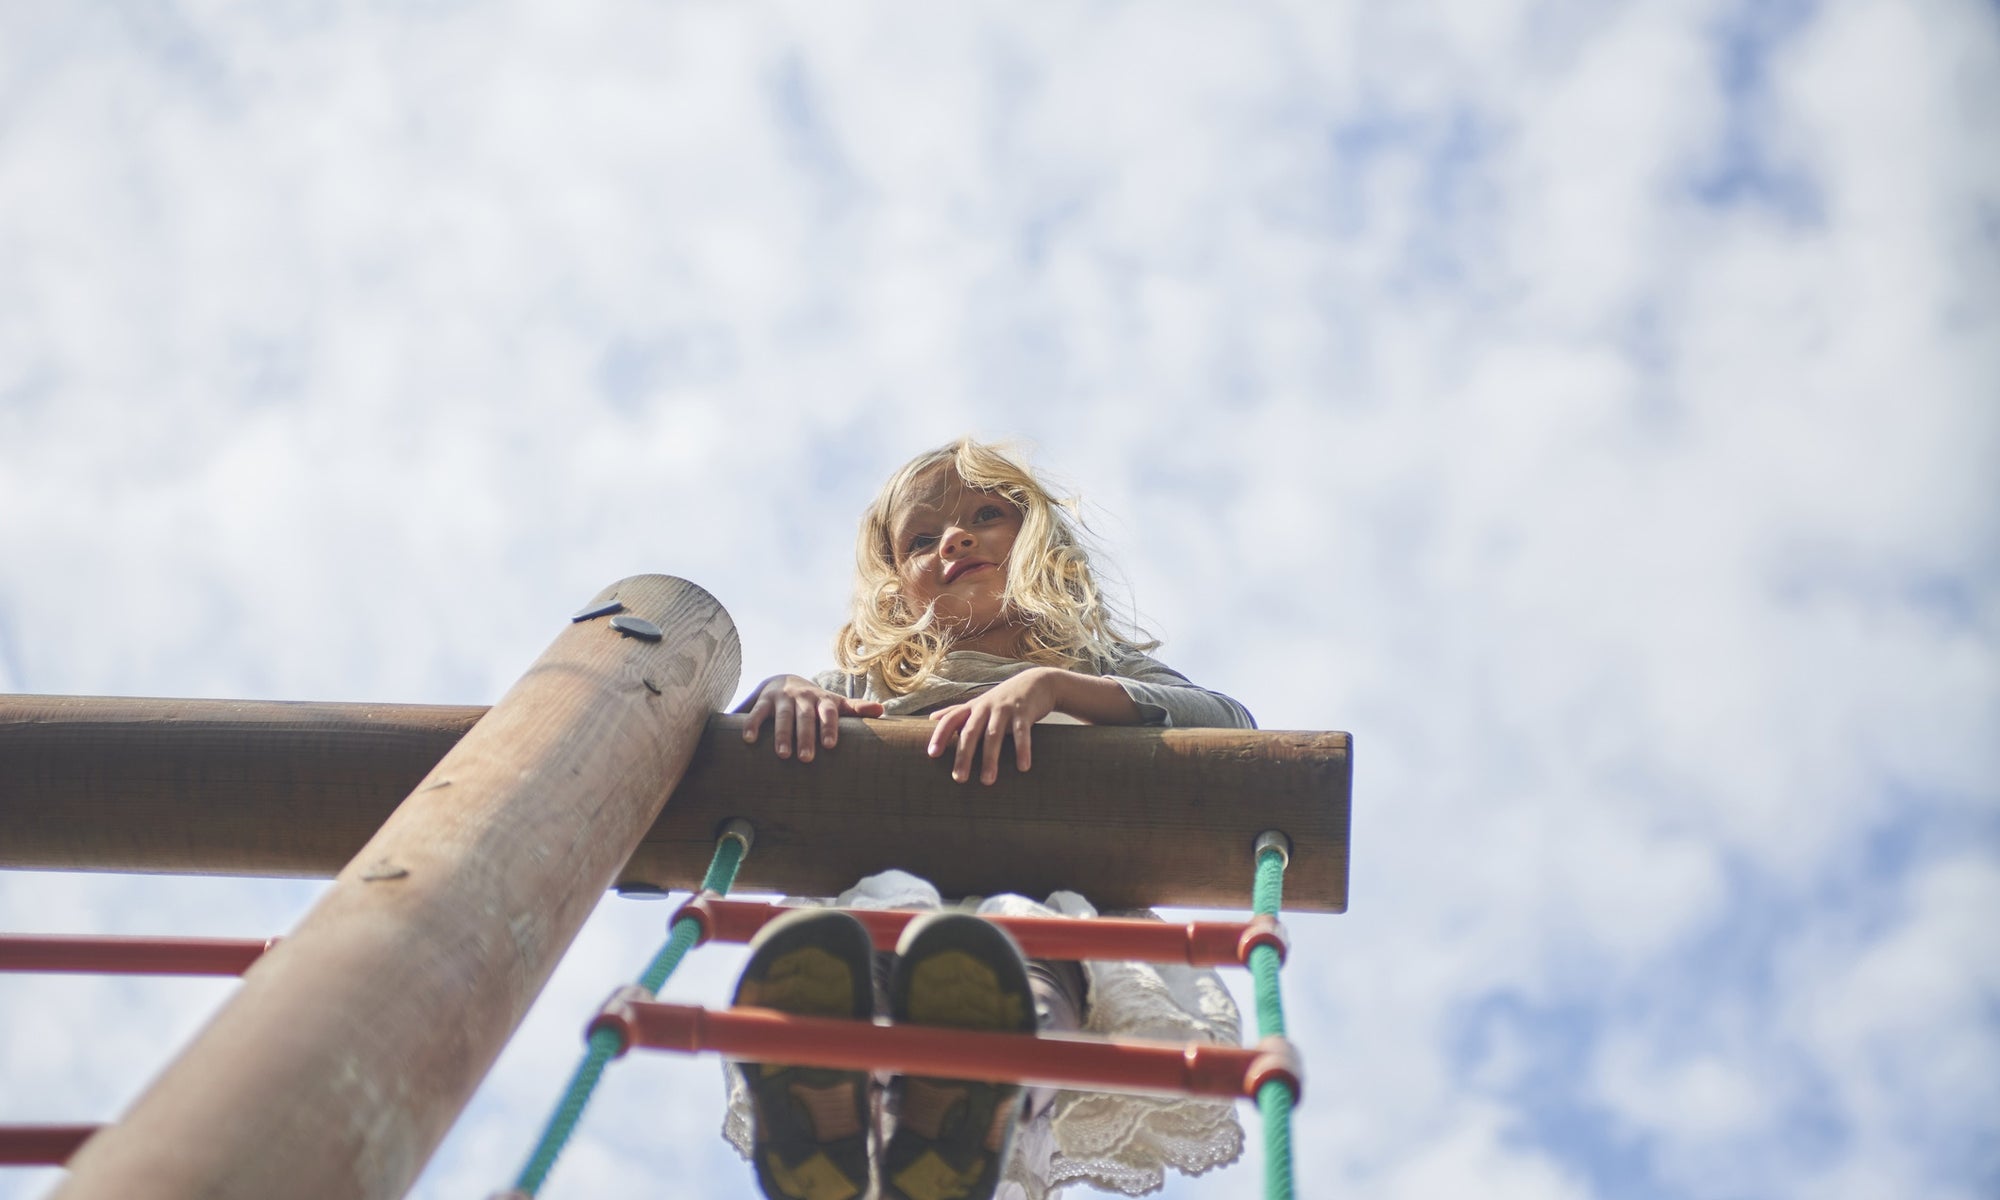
point(1128, 817)
point(231, 787)
point(352, 1045)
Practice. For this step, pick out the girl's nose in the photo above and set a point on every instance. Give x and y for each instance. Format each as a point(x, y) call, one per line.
point(957, 541)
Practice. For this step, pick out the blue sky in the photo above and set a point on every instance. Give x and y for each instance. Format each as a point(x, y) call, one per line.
point(1590, 406)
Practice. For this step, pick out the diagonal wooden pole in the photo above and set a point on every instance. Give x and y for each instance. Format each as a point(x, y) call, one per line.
point(352, 1046)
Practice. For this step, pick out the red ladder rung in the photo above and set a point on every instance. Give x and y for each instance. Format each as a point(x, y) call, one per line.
point(41, 1145)
point(1122, 939)
point(106, 955)
point(1100, 1064)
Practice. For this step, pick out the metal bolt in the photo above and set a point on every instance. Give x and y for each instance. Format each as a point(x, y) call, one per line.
point(638, 627)
point(1272, 839)
point(740, 829)
point(597, 610)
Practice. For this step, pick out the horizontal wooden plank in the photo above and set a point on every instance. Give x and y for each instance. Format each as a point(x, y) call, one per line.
point(1128, 817)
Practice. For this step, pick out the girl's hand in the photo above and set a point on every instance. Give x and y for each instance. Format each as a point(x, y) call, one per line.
point(802, 713)
point(1010, 709)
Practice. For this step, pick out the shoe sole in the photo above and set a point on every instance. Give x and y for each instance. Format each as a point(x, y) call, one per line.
point(812, 1123)
point(953, 1135)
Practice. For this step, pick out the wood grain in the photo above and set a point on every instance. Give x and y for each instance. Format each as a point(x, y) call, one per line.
point(350, 1048)
point(1129, 817)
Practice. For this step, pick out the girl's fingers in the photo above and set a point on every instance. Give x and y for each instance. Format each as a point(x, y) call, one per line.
point(968, 748)
point(807, 718)
point(781, 726)
point(947, 723)
point(754, 719)
point(996, 737)
point(798, 721)
point(1022, 757)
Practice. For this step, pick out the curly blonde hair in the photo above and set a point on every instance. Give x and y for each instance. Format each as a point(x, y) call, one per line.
point(1052, 594)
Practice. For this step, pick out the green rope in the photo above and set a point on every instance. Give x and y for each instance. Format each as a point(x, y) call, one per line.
point(604, 1043)
point(1265, 901)
point(721, 874)
point(1274, 1105)
point(1274, 1099)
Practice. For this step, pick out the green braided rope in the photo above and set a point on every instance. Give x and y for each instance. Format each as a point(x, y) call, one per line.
point(1274, 1105)
point(1269, 893)
point(562, 1123)
point(721, 874)
point(1265, 901)
point(1274, 1099)
point(604, 1043)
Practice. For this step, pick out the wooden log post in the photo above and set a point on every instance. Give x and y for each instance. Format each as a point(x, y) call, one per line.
point(351, 1047)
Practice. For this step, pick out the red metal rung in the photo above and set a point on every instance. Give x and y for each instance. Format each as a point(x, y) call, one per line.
point(41, 1145)
point(1123, 939)
point(130, 955)
point(1120, 1065)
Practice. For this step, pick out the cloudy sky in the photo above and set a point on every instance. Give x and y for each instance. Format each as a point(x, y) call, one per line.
point(1591, 406)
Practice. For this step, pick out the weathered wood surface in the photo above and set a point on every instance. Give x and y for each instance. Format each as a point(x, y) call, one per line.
point(349, 1050)
point(1129, 817)
point(208, 786)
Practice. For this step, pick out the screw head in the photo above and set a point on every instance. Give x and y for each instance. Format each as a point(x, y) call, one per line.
point(596, 610)
point(638, 627)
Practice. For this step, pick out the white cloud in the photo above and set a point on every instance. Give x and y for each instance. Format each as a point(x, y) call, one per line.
point(1426, 380)
point(1901, 1020)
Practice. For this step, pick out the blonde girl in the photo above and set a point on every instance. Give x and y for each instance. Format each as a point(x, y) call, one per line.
point(975, 605)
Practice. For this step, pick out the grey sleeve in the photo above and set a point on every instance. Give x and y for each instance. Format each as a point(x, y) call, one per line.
point(1166, 697)
point(854, 687)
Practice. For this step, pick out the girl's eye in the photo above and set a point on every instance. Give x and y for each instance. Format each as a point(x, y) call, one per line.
point(922, 541)
point(990, 513)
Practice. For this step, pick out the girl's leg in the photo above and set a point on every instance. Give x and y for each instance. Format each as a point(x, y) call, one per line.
point(1058, 989)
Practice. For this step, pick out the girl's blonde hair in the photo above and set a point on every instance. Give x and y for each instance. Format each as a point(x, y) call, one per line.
point(1051, 591)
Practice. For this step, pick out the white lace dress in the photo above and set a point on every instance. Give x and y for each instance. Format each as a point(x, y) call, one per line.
point(1114, 1142)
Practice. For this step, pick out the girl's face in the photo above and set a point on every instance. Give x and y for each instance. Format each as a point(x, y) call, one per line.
point(951, 544)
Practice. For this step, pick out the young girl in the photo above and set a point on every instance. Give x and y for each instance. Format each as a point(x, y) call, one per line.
point(974, 605)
